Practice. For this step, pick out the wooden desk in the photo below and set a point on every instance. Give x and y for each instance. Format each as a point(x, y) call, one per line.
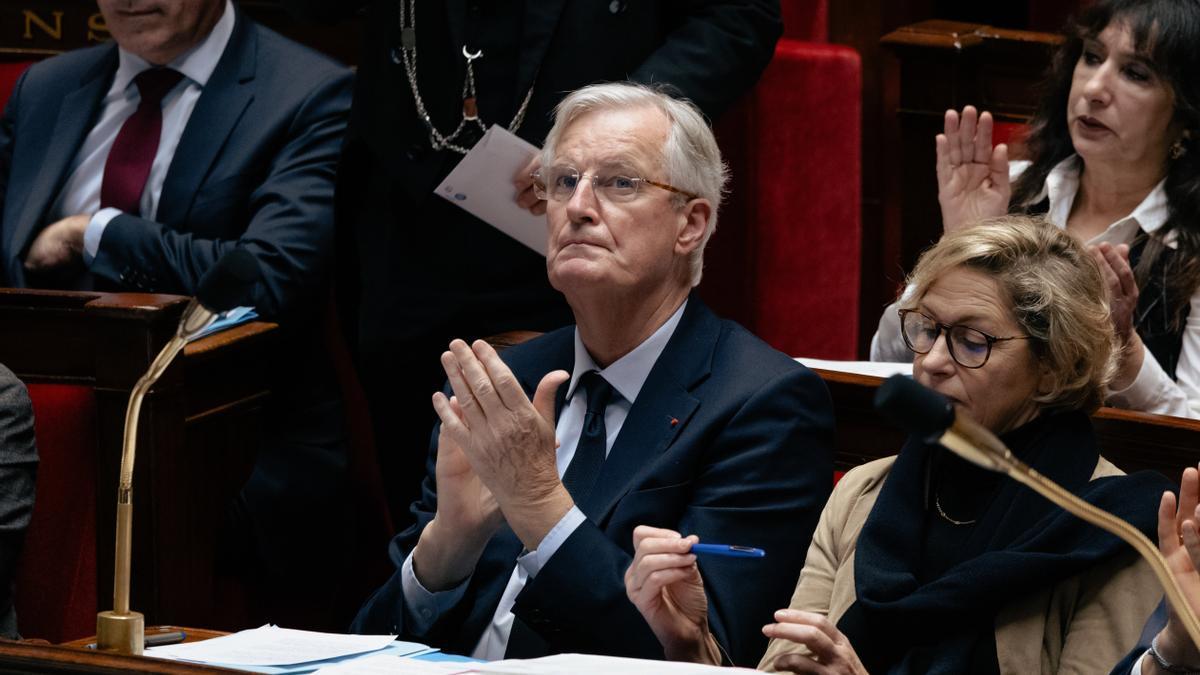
point(1133, 441)
point(77, 657)
point(199, 430)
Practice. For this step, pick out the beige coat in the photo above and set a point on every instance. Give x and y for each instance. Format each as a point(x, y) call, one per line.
point(1082, 625)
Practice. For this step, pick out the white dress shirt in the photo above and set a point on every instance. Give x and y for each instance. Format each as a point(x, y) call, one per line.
point(626, 375)
point(81, 192)
point(1152, 389)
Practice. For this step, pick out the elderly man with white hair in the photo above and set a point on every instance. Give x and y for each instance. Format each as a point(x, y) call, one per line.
point(649, 409)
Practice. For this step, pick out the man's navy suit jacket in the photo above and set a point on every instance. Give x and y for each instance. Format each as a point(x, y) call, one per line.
point(255, 167)
point(728, 439)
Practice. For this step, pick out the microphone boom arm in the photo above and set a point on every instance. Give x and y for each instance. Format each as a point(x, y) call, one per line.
point(122, 630)
point(983, 448)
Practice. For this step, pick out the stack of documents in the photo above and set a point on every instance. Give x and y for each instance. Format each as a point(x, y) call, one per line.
point(560, 664)
point(280, 651)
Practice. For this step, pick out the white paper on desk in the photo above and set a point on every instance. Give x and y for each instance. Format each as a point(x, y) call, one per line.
point(273, 646)
point(873, 368)
point(590, 664)
point(482, 185)
point(396, 665)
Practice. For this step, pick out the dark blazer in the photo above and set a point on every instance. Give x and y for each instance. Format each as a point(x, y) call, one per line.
point(728, 439)
point(255, 166)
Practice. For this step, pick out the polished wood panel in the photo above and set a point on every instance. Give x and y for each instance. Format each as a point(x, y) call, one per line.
point(942, 65)
point(34, 29)
point(1134, 441)
point(200, 428)
point(75, 657)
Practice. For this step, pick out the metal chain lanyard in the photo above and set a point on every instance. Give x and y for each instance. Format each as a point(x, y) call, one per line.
point(470, 122)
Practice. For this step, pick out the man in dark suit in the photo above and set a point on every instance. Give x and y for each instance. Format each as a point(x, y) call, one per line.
point(396, 238)
point(135, 165)
point(649, 410)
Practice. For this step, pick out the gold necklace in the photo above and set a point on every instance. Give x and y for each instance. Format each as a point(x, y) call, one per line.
point(937, 502)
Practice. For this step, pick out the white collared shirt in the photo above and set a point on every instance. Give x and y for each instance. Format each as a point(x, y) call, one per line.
point(626, 375)
point(1152, 390)
point(81, 192)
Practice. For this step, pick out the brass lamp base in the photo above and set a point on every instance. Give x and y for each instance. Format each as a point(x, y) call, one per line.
point(122, 633)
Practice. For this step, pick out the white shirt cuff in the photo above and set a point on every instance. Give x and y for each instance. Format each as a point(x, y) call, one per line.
point(1137, 665)
point(1151, 391)
point(95, 231)
point(533, 561)
point(423, 607)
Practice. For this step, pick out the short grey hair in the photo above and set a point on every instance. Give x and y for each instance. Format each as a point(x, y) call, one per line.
point(691, 157)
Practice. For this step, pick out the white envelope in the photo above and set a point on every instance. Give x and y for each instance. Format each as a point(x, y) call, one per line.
point(482, 184)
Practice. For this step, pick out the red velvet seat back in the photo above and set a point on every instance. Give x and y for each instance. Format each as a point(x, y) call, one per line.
point(56, 575)
point(785, 259)
point(9, 74)
point(805, 20)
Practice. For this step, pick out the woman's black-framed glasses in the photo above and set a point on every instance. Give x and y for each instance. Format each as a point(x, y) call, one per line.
point(969, 347)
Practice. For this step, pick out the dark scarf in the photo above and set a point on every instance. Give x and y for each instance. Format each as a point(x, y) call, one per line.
point(1019, 544)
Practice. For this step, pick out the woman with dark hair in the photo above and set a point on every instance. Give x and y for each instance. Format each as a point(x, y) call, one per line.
point(1112, 160)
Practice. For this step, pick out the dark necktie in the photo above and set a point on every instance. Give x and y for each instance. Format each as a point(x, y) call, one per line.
point(579, 478)
point(132, 154)
point(589, 452)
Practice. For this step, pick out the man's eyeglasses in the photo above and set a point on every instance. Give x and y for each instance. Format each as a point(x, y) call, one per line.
point(559, 183)
point(970, 348)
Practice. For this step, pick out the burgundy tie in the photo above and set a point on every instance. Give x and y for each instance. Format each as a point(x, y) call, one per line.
point(132, 154)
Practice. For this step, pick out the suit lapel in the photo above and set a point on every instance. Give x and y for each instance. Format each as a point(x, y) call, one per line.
point(663, 409)
point(75, 117)
point(541, 18)
point(228, 92)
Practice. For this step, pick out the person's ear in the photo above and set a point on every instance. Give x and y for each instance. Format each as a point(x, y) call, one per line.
point(1046, 379)
point(693, 223)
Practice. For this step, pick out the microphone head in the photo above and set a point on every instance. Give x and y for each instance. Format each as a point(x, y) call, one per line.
point(914, 408)
point(229, 283)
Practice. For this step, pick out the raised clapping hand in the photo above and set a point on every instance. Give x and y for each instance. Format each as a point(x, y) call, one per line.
point(507, 439)
point(972, 175)
point(664, 583)
point(1179, 542)
point(1123, 300)
point(831, 652)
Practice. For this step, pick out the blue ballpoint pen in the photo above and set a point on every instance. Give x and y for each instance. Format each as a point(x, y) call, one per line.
point(728, 551)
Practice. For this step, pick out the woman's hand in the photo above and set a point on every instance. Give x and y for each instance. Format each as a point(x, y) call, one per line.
point(1179, 542)
point(664, 583)
point(1122, 300)
point(972, 175)
point(831, 651)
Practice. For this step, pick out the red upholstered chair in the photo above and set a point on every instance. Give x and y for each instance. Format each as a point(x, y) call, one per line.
point(9, 73)
point(785, 259)
point(806, 20)
point(56, 575)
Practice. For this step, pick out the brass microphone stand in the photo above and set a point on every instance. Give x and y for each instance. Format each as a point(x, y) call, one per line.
point(121, 629)
point(978, 445)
